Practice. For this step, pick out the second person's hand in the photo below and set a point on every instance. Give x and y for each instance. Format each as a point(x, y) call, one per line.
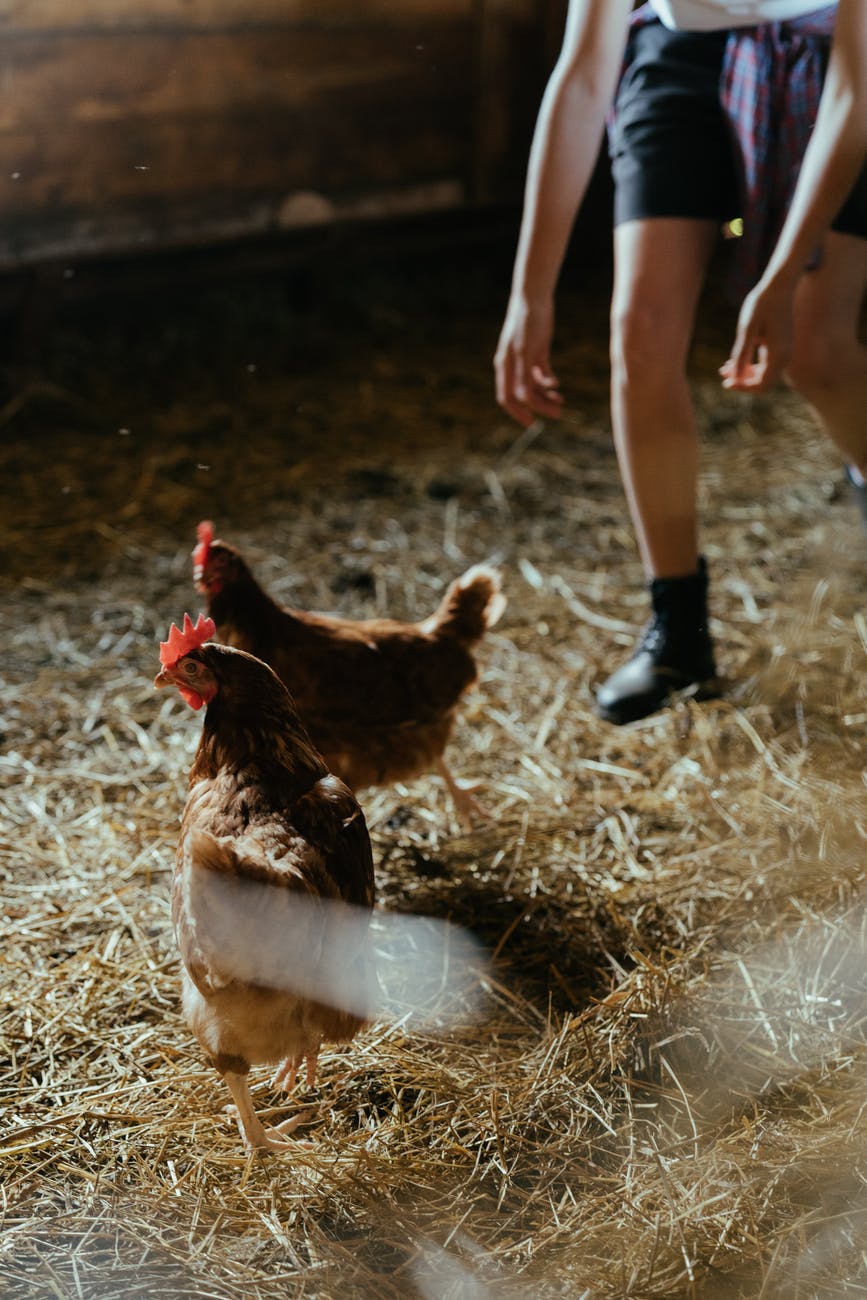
point(763, 344)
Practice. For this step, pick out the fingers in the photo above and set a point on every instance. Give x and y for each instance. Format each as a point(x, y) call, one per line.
point(510, 387)
point(525, 396)
point(548, 400)
point(750, 369)
point(542, 393)
point(747, 367)
point(740, 363)
point(750, 380)
point(763, 341)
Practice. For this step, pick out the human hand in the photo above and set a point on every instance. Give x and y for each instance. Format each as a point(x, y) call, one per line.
point(526, 385)
point(763, 343)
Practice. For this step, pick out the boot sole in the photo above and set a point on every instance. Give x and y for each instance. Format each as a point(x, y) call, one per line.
point(706, 690)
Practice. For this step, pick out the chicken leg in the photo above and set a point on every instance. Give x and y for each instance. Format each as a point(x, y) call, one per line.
point(254, 1133)
point(467, 808)
point(286, 1072)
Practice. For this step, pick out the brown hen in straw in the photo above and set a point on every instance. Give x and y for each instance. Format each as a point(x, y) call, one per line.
point(273, 886)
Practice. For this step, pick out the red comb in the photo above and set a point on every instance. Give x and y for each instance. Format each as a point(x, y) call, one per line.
point(205, 534)
point(181, 643)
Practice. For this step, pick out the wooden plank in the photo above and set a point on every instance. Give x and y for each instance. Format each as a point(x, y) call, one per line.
point(65, 15)
point(98, 165)
point(103, 107)
point(207, 221)
point(49, 80)
point(153, 133)
point(153, 122)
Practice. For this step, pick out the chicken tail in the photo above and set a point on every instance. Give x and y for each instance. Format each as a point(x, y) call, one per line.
point(472, 604)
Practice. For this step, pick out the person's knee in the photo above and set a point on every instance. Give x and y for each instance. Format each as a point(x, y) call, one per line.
point(642, 349)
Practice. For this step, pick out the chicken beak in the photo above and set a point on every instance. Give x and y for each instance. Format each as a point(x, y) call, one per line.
point(163, 679)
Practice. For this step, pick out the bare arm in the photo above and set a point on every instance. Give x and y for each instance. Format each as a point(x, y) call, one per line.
point(834, 156)
point(562, 157)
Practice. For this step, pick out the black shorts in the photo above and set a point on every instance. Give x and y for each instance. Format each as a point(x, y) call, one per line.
point(673, 153)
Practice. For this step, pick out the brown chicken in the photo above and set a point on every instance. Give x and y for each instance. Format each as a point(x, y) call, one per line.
point(273, 856)
point(379, 697)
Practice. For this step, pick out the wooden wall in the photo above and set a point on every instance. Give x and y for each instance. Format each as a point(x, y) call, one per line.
point(131, 124)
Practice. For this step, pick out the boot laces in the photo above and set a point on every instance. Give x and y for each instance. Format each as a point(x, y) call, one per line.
point(652, 638)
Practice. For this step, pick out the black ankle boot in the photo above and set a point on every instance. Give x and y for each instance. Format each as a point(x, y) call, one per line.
point(675, 652)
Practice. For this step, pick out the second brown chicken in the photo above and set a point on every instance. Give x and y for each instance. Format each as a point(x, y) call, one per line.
point(379, 697)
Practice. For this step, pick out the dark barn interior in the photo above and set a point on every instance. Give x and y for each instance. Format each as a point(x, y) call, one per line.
point(254, 256)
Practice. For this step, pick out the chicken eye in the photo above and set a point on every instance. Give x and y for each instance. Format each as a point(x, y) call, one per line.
point(191, 667)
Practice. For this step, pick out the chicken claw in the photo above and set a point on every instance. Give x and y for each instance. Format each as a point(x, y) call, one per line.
point(468, 809)
point(251, 1128)
point(287, 1071)
point(285, 1074)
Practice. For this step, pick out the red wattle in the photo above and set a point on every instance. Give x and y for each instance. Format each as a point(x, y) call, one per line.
point(193, 698)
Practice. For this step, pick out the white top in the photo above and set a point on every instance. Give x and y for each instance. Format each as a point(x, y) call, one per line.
point(708, 15)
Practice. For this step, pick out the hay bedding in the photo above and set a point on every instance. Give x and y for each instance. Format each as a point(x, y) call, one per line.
point(662, 1091)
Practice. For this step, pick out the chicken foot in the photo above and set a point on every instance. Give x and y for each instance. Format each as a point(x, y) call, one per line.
point(467, 808)
point(251, 1128)
point(286, 1072)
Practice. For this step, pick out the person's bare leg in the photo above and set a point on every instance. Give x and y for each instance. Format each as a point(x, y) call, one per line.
point(829, 363)
point(660, 265)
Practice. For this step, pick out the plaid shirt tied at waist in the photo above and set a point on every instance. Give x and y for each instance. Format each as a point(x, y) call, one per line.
point(770, 86)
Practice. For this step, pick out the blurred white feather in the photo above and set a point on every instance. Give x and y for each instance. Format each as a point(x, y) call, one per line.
point(440, 1275)
point(421, 970)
